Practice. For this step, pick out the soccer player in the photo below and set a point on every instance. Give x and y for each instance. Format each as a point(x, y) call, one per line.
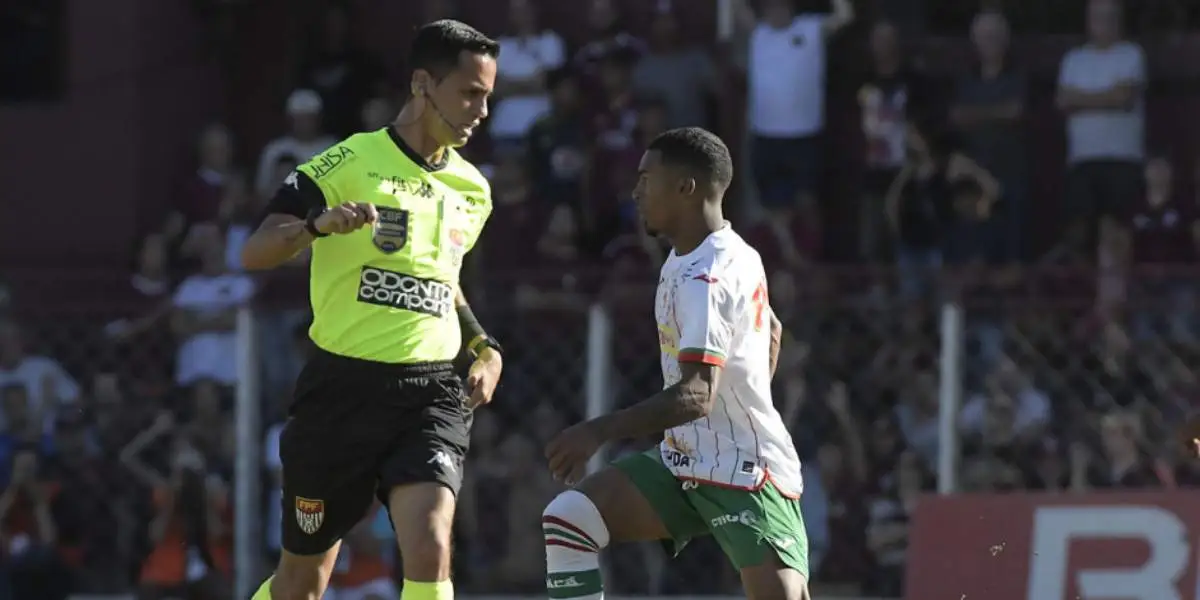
point(726, 465)
point(379, 411)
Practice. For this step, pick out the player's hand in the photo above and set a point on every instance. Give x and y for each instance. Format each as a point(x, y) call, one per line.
point(346, 217)
point(569, 452)
point(483, 377)
point(1190, 434)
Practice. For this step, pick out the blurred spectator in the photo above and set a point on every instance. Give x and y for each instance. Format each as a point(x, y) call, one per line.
point(1165, 237)
point(917, 415)
point(204, 318)
point(522, 95)
point(557, 144)
point(199, 198)
point(47, 384)
point(989, 110)
point(23, 429)
point(786, 102)
point(140, 336)
point(1123, 462)
point(608, 34)
point(273, 490)
point(189, 553)
point(1031, 406)
point(344, 75)
point(1100, 87)
point(237, 218)
point(893, 95)
point(684, 77)
point(304, 140)
point(209, 427)
point(887, 532)
point(30, 532)
point(376, 113)
point(613, 119)
point(926, 202)
point(90, 509)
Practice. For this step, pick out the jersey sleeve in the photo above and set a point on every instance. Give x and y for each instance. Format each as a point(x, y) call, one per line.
point(480, 210)
point(706, 312)
point(296, 196)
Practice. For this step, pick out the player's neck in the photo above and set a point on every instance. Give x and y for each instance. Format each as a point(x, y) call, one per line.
point(691, 234)
point(417, 138)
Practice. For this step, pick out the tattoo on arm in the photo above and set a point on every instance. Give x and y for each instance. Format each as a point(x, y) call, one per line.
point(686, 401)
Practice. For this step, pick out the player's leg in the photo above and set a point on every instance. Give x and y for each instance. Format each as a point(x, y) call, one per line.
point(329, 453)
point(762, 533)
point(635, 499)
point(421, 478)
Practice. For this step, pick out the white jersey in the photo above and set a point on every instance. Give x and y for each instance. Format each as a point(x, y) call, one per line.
point(712, 308)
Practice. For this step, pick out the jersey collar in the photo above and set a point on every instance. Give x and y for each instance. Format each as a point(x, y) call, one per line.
point(414, 156)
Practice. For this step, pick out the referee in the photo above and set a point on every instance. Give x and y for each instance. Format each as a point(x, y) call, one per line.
point(379, 411)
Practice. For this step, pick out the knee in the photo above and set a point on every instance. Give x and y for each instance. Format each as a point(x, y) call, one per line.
point(298, 581)
point(423, 518)
point(427, 554)
point(571, 518)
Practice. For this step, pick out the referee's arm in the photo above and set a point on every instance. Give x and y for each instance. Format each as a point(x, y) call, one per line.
point(282, 233)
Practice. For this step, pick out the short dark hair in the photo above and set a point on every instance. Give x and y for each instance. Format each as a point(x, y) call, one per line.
point(698, 150)
point(438, 46)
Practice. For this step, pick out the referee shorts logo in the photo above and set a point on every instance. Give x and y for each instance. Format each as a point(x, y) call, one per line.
point(310, 514)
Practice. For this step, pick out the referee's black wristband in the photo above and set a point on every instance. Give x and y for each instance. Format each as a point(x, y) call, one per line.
point(310, 222)
point(475, 339)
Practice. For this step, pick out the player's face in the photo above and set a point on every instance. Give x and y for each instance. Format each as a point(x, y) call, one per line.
point(655, 192)
point(460, 99)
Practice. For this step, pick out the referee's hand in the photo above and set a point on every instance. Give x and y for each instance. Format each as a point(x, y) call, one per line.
point(346, 217)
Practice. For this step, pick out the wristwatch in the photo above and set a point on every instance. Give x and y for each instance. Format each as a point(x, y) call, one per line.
point(487, 342)
point(310, 222)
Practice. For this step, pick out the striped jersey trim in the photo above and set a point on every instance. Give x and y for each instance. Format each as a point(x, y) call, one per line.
point(702, 355)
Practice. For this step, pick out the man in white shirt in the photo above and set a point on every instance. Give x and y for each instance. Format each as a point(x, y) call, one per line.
point(1100, 88)
point(786, 73)
point(304, 140)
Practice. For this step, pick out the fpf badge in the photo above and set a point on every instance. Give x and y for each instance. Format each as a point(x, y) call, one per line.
point(310, 514)
point(391, 230)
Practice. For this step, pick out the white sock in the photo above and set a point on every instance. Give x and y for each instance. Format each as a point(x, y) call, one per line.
point(575, 533)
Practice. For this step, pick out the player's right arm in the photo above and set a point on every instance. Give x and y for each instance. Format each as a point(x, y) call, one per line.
point(776, 341)
point(285, 230)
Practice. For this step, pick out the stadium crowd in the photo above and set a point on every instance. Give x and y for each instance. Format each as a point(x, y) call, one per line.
point(117, 465)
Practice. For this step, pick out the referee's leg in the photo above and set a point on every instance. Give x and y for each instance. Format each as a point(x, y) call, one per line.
point(329, 482)
point(419, 482)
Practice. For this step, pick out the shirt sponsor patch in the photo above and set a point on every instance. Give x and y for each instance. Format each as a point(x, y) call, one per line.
point(398, 290)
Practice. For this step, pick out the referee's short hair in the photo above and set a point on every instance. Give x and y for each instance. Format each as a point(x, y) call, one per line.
point(697, 150)
point(440, 44)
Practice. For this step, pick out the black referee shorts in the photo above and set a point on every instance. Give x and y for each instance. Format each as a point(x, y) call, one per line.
point(356, 429)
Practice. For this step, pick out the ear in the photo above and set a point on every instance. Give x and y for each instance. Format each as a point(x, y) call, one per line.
point(687, 186)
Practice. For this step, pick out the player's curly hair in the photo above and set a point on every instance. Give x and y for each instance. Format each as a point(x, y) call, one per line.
point(698, 150)
point(440, 44)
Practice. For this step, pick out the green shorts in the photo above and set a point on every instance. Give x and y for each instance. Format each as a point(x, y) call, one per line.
point(747, 524)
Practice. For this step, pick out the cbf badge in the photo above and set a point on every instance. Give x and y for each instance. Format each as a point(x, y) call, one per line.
point(310, 514)
point(391, 230)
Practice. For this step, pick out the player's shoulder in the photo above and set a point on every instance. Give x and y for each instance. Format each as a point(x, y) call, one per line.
point(338, 156)
point(723, 259)
point(466, 178)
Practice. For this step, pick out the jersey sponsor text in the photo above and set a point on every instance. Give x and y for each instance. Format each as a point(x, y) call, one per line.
point(397, 290)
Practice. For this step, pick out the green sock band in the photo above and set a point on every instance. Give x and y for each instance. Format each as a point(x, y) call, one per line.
point(574, 584)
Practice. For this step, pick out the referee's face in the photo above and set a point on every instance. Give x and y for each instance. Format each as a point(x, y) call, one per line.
point(460, 100)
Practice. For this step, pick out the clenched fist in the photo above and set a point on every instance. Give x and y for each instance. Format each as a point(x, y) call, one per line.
point(346, 217)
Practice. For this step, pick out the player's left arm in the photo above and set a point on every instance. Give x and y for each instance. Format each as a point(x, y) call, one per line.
point(776, 340)
point(705, 310)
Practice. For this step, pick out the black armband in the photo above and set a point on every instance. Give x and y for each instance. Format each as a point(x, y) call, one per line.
point(475, 339)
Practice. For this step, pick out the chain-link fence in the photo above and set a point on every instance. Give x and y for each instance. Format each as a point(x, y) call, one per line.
point(120, 451)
